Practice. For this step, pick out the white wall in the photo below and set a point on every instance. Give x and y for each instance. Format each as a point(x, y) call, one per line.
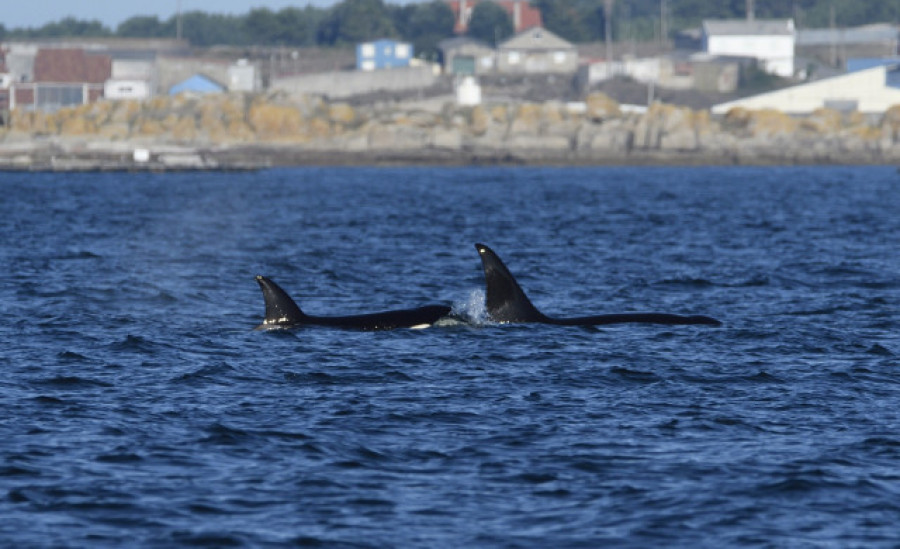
point(867, 88)
point(126, 89)
point(775, 51)
point(242, 77)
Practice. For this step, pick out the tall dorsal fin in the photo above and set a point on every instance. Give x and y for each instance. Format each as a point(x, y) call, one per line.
point(505, 301)
point(280, 308)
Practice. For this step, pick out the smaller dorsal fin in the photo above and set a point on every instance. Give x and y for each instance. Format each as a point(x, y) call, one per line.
point(505, 300)
point(280, 308)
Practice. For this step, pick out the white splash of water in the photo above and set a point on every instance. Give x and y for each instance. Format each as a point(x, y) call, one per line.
point(473, 308)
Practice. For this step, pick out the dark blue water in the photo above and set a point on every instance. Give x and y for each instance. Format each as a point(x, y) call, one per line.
point(140, 409)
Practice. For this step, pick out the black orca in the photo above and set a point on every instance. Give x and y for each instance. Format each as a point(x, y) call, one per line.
point(283, 312)
point(506, 302)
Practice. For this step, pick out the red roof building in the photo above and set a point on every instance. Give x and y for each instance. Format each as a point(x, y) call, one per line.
point(71, 66)
point(523, 15)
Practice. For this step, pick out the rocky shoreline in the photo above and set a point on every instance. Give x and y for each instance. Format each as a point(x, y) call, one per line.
point(243, 131)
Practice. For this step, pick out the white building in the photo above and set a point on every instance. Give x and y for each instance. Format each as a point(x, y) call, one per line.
point(771, 41)
point(242, 77)
point(869, 91)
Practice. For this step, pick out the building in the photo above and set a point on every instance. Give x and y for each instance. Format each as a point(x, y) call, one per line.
point(836, 46)
point(522, 14)
point(62, 77)
point(134, 75)
point(770, 41)
point(537, 50)
point(198, 83)
point(383, 54)
point(242, 77)
point(467, 56)
point(870, 91)
point(126, 89)
point(697, 71)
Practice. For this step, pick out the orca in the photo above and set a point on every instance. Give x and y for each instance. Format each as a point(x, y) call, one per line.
point(506, 302)
point(283, 312)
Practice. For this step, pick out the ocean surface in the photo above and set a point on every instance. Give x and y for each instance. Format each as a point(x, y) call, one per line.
point(141, 409)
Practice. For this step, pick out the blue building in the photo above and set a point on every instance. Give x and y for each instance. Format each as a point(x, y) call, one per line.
point(383, 54)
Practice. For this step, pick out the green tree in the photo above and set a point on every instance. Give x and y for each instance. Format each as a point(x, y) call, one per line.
point(490, 23)
point(299, 25)
point(424, 25)
point(203, 29)
point(354, 21)
point(141, 26)
point(263, 27)
point(70, 26)
point(574, 20)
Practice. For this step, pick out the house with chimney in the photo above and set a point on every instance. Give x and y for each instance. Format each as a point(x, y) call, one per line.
point(537, 50)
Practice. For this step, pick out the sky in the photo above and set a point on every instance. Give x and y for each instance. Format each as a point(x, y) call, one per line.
point(35, 13)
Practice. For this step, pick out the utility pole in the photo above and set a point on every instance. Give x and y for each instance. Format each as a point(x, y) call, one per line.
point(663, 24)
point(607, 32)
point(751, 15)
point(178, 22)
point(832, 24)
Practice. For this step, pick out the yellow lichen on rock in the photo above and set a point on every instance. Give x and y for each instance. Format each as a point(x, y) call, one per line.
point(271, 121)
point(499, 114)
point(479, 120)
point(184, 129)
point(76, 124)
point(823, 121)
point(769, 122)
point(341, 113)
point(149, 127)
point(600, 106)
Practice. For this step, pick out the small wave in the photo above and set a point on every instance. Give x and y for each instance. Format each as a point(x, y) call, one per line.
point(81, 254)
point(45, 400)
point(207, 539)
point(879, 350)
point(14, 471)
point(214, 372)
point(133, 343)
point(71, 356)
point(690, 282)
point(124, 457)
point(72, 382)
point(636, 376)
point(222, 434)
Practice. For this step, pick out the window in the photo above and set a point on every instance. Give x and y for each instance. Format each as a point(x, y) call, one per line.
point(513, 57)
point(367, 50)
point(402, 51)
point(559, 57)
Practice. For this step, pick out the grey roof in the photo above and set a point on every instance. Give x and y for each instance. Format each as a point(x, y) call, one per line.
point(868, 34)
point(536, 38)
point(743, 27)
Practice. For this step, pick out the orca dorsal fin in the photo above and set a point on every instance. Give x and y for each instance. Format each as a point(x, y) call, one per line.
point(505, 300)
point(280, 308)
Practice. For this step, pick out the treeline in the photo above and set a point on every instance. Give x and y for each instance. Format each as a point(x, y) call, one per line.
point(426, 23)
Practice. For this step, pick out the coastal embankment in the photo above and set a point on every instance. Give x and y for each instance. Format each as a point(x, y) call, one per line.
point(239, 131)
